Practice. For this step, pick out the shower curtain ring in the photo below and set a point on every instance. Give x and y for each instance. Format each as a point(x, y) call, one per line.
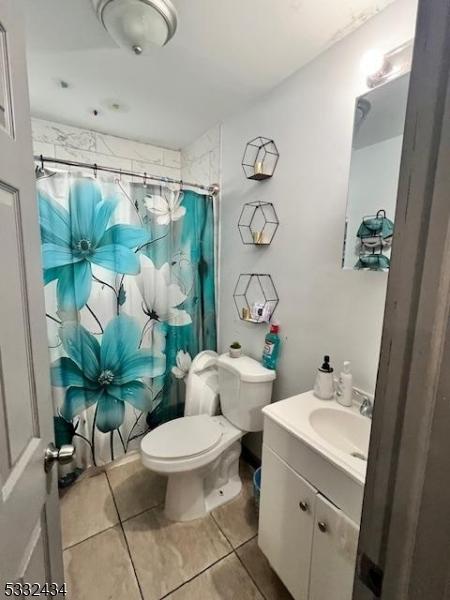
point(95, 170)
point(145, 179)
point(42, 162)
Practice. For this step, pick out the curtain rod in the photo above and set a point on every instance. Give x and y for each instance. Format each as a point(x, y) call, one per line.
point(212, 189)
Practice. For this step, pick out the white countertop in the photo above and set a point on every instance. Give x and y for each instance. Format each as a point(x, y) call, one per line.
point(297, 415)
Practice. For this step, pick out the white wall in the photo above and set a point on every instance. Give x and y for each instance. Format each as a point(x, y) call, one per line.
point(323, 309)
point(83, 145)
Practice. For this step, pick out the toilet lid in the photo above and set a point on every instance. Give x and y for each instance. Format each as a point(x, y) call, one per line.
point(183, 437)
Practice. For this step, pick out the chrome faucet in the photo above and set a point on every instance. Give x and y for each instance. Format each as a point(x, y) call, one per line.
point(366, 407)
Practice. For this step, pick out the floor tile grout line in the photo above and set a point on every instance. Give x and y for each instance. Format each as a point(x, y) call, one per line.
point(248, 572)
point(221, 530)
point(89, 537)
point(237, 555)
point(126, 541)
point(198, 574)
point(140, 513)
point(233, 549)
point(119, 519)
point(246, 541)
point(226, 537)
point(113, 497)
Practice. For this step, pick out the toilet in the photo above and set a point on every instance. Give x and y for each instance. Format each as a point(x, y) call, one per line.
point(199, 453)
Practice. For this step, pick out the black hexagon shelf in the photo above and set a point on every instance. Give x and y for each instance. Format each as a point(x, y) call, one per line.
point(255, 297)
point(258, 223)
point(260, 158)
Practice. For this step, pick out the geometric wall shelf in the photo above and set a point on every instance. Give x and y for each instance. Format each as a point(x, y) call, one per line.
point(258, 223)
point(260, 158)
point(255, 297)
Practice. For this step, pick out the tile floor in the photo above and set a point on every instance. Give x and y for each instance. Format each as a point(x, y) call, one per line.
point(119, 546)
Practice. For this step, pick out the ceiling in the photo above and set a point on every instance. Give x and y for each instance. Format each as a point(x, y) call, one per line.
point(224, 55)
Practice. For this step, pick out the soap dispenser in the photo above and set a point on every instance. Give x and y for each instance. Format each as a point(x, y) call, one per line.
point(324, 385)
point(344, 391)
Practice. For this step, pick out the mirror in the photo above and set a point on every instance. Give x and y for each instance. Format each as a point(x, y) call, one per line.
point(375, 165)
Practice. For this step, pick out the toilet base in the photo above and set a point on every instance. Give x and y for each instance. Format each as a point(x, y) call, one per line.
point(224, 494)
point(192, 494)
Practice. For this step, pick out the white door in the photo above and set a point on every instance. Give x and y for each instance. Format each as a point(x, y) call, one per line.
point(30, 547)
point(333, 555)
point(286, 522)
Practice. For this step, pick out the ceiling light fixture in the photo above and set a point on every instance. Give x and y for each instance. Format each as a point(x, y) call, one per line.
point(138, 25)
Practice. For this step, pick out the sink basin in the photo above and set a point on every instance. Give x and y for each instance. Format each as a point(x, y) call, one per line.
point(346, 431)
point(324, 442)
point(337, 433)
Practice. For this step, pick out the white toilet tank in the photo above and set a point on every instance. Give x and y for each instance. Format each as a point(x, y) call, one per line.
point(245, 388)
point(202, 386)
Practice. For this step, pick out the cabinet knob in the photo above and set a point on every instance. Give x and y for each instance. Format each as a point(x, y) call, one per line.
point(322, 526)
point(304, 506)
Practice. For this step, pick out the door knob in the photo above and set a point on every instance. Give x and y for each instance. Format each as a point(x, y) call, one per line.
point(322, 526)
point(62, 455)
point(304, 506)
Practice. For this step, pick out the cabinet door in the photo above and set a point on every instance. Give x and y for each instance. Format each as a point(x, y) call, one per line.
point(334, 553)
point(286, 523)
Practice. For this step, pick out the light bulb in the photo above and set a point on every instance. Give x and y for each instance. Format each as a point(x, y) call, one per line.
point(373, 62)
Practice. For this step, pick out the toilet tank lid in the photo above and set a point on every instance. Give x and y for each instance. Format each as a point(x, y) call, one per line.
point(247, 369)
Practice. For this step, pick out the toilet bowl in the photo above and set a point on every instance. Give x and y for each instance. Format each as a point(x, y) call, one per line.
point(202, 466)
point(199, 453)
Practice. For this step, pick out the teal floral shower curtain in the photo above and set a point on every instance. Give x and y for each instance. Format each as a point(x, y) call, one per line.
point(130, 299)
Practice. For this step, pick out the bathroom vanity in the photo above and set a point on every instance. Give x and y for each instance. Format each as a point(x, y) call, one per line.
point(313, 472)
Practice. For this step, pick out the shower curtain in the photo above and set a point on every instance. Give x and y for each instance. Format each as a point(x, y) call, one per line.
point(130, 299)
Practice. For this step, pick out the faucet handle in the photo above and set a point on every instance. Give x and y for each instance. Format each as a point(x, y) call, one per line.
point(366, 408)
point(360, 396)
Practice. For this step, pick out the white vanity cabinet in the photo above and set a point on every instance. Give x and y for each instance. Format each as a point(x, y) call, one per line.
point(286, 523)
point(332, 563)
point(299, 534)
point(308, 517)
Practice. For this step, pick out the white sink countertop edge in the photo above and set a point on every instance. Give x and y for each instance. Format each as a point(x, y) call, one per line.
point(293, 415)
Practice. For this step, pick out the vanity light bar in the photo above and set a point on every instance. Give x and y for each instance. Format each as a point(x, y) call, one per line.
point(392, 64)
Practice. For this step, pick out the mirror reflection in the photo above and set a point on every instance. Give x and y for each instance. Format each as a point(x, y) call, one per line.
point(375, 164)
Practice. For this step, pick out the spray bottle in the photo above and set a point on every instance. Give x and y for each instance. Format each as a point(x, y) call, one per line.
point(272, 345)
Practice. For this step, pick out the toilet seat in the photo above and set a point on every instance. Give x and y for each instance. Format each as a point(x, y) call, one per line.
point(205, 436)
point(185, 437)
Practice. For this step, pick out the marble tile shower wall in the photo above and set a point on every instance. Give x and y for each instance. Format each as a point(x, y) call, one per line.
point(83, 145)
point(200, 161)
